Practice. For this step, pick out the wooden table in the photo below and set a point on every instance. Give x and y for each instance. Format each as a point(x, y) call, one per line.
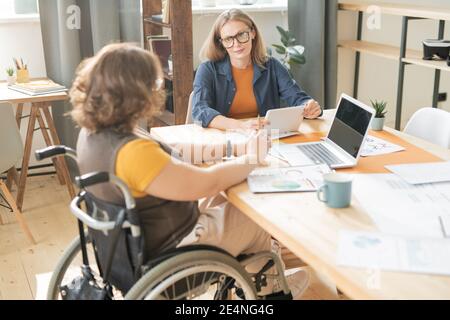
point(310, 230)
point(40, 111)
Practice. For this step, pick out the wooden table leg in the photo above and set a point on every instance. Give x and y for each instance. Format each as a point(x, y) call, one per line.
point(1, 220)
point(19, 114)
point(13, 175)
point(19, 217)
point(54, 134)
point(26, 155)
point(48, 141)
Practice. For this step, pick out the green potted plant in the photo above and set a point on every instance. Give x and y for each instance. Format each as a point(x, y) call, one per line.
point(380, 112)
point(10, 79)
point(292, 53)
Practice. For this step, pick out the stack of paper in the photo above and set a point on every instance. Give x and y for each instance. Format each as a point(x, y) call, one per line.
point(400, 208)
point(393, 253)
point(38, 87)
point(419, 173)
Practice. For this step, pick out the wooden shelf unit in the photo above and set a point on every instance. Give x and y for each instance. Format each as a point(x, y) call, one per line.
point(376, 49)
point(402, 54)
point(392, 53)
point(180, 28)
point(157, 23)
point(439, 65)
point(400, 10)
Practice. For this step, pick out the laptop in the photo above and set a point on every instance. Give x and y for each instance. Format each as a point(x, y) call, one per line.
point(344, 143)
point(284, 122)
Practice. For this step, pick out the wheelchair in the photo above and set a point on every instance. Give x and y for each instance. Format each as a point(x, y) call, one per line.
point(108, 261)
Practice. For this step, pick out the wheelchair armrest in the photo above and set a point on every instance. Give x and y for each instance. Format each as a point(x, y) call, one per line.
point(87, 219)
point(55, 151)
point(92, 178)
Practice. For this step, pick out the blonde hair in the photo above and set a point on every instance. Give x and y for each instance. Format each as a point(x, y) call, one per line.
point(213, 50)
point(116, 88)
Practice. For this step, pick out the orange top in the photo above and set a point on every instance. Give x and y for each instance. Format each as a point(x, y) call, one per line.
point(244, 103)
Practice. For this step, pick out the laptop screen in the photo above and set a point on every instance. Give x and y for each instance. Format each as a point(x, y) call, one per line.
point(349, 126)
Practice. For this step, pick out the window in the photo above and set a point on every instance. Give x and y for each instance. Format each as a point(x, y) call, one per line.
point(232, 2)
point(9, 8)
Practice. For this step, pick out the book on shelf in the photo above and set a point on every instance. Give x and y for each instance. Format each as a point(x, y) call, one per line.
point(166, 11)
point(157, 18)
point(162, 48)
point(164, 17)
point(152, 37)
point(38, 87)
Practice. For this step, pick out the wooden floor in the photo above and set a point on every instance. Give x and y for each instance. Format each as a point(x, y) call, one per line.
point(25, 268)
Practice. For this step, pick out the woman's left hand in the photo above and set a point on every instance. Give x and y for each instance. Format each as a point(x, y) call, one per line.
point(312, 109)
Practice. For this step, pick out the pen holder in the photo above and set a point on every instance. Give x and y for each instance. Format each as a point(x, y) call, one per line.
point(23, 76)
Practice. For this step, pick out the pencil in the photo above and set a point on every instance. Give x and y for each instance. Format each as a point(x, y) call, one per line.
point(443, 228)
point(16, 63)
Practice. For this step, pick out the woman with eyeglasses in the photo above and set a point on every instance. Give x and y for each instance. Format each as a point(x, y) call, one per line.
point(238, 80)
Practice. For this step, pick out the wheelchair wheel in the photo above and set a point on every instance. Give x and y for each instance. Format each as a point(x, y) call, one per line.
point(202, 274)
point(69, 267)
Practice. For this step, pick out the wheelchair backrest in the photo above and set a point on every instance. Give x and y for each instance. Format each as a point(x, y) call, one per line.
point(128, 254)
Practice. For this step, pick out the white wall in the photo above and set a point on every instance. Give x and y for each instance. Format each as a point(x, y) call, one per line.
point(23, 39)
point(378, 76)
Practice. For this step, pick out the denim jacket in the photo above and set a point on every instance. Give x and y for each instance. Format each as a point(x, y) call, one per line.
point(214, 89)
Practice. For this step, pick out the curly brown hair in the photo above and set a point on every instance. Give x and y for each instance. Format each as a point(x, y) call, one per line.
point(116, 88)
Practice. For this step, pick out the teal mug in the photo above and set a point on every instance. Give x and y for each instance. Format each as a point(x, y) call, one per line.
point(336, 191)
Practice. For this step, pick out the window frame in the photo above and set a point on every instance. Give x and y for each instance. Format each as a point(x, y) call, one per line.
point(11, 16)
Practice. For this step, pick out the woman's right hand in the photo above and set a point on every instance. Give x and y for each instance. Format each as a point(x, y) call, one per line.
point(258, 147)
point(252, 124)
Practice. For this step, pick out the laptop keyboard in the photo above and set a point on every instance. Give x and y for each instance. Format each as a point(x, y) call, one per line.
point(319, 154)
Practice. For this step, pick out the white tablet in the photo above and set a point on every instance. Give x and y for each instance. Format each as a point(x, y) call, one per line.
point(286, 120)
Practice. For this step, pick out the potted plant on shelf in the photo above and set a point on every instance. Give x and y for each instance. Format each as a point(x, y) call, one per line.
point(291, 53)
point(10, 79)
point(380, 112)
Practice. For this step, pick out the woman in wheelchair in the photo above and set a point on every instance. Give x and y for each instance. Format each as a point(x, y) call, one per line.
point(112, 92)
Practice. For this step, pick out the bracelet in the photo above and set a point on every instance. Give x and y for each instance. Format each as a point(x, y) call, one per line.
point(229, 149)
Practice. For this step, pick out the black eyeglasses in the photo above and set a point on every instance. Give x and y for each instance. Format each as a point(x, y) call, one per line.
point(241, 37)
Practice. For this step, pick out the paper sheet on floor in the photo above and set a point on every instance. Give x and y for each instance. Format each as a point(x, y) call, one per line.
point(397, 207)
point(394, 253)
point(42, 282)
